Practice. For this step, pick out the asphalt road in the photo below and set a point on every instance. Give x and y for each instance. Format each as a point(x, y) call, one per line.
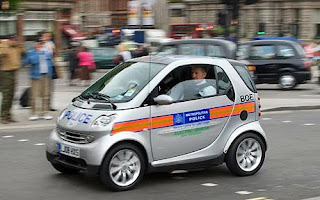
point(291, 169)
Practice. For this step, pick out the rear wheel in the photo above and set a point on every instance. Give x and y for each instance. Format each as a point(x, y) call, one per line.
point(123, 167)
point(246, 155)
point(65, 170)
point(287, 81)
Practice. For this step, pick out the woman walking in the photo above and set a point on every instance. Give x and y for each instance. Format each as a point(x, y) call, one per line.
point(86, 63)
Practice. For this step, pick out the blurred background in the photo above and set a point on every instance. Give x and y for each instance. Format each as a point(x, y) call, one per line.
point(109, 22)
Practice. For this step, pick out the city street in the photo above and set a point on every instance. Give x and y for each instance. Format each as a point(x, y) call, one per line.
point(291, 169)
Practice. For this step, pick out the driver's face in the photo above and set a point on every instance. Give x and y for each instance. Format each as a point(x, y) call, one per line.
point(198, 73)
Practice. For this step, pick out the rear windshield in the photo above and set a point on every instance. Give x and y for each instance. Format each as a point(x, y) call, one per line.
point(245, 76)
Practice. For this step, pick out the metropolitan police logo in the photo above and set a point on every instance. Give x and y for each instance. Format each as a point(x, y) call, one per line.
point(178, 119)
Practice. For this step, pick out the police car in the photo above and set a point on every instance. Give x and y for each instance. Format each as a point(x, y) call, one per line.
point(161, 113)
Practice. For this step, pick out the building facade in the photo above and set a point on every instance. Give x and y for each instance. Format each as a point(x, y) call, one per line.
point(91, 15)
point(279, 18)
point(34, 16)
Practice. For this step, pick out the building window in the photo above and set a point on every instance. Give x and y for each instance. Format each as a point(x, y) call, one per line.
point(178, 12)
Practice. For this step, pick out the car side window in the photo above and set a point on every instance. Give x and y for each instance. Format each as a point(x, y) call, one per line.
point(214, 51)
point(224, 83)
point(168, 50)
point(190, 82)
point(263, 52)
point(243, 52)
point(285, 51)
point(192, 49)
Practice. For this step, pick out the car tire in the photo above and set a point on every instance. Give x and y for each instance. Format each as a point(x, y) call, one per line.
point(65, 170)
point(287, 81)
point(246, 155)
point(123, 167)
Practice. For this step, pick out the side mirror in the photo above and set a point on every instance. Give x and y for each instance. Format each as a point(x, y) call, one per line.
point(163, 99)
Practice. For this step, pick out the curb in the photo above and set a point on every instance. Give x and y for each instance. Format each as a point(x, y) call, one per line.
point(292, 108)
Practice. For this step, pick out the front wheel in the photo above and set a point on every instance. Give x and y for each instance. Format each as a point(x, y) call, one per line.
point(246, 155)
point(123, 167)
point(287, 81)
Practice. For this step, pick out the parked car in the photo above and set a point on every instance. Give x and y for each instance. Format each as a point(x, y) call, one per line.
point(280, 62)
point(200, 47)
point(131, 121)
point(103, 56)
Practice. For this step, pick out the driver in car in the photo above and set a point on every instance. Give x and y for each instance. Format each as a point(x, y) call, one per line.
point(192, 89)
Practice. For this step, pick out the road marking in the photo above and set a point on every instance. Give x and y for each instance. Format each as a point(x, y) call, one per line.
point(288, 121)
point(309, 124)
point(8, 136)
point(40, 144)
point(265, 119)
point(23, 140)
point(260, 198)
point(243, 192)
point(209, 184)
point(261, 190)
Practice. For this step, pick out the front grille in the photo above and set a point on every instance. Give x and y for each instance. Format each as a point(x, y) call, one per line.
point(73, 137)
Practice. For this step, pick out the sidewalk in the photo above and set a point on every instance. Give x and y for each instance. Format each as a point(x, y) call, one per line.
point(64, 94)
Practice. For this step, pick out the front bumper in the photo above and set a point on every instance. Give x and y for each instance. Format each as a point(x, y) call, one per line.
point(91, 154)
point(303, 76)
point(74, 163)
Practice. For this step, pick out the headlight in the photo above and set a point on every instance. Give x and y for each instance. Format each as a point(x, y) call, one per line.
point(61, 115)
point(102, 121)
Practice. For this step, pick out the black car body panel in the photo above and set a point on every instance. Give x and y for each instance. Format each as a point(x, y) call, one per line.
point(272, 58)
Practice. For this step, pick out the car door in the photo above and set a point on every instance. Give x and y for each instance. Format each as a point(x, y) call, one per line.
point(188, 125)
point(263, 56)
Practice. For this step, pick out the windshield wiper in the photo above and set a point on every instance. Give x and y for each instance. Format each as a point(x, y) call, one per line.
point(100, 96)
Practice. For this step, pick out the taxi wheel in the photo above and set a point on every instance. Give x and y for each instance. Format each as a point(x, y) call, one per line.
point(65, 170)
point(123, 167)
point(287, 81)
point(246, 155)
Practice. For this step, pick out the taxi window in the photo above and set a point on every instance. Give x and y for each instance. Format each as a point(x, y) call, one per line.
point(190, 82)
point(214, 51)
point(168, 50)
point(243, 52)
point(263, 52)
point(192, 49)
point(125, 81)
point(285, 51)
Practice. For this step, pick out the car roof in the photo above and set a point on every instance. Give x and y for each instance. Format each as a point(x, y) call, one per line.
point(167, 59)
point(197, 41)
point(269, 42)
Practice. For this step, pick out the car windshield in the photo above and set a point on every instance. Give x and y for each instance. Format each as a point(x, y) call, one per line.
point(124, 82)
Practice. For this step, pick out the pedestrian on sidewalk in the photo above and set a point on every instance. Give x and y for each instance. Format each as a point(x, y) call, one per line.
point(41, 71)
point(49, 45)
point(87, 65)
point(123, 55)
point(73, 65)
point(10, 61)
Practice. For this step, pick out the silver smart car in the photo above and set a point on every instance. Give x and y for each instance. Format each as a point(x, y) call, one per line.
point(161, 113)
